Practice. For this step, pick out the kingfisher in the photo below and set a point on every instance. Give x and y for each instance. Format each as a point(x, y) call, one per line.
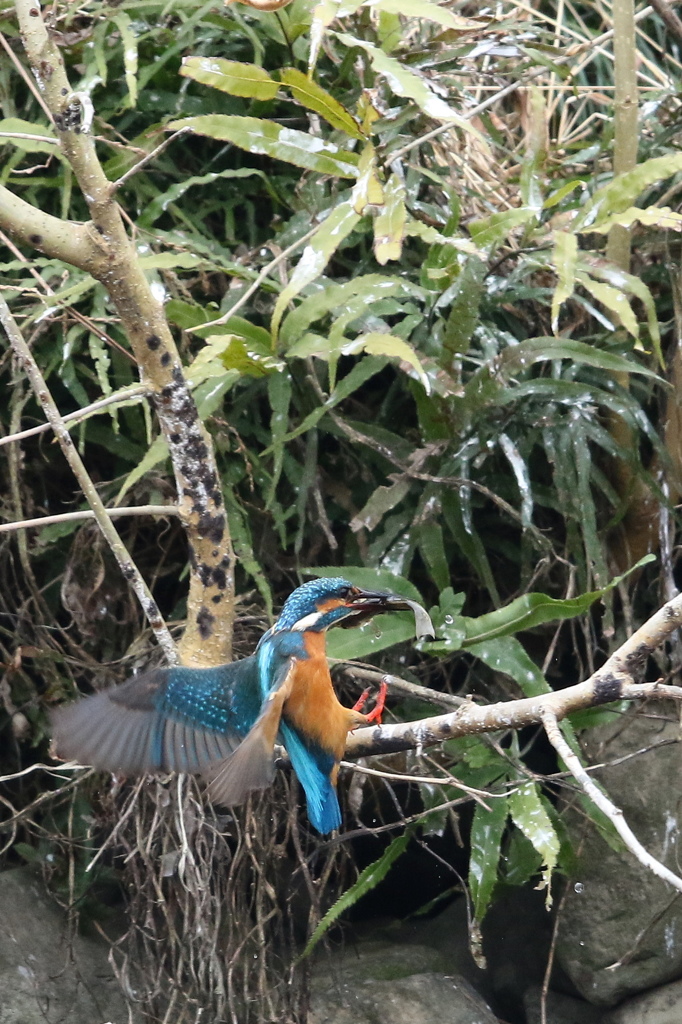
point(223, 723)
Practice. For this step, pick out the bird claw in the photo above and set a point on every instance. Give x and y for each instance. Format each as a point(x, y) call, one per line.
point(378, 709)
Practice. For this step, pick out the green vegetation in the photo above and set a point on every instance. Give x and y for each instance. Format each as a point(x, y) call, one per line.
point(380, 233)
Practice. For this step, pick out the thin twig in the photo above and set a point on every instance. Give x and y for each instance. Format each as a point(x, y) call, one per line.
point(26, 77)
point(139, 391)
point(259, 280)
point(29, 138)
point(613, 813)
point(147, 158)
point(68, 517)
point(424, 780)
point(372, 675)
point(118, 548)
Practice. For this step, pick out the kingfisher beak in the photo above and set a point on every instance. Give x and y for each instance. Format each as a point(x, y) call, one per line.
point(364, 604)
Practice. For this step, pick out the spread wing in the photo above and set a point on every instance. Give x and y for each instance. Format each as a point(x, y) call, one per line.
point(251, 766)
point(176, 719)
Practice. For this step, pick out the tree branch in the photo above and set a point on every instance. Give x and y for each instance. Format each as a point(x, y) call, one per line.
point(126, 564)
point(614, 681)
point(59, 239)
point(69, 517)
point(102, 248)
point(613, 813)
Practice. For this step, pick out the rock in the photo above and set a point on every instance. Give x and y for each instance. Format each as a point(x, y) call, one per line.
point(43, 977)
point(382, 983)
point(517, 933)
point(621, 927)
point(661, 1006)
point(562, 1009)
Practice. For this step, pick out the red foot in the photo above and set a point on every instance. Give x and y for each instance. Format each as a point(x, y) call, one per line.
point(378, 709)
point(361, 701)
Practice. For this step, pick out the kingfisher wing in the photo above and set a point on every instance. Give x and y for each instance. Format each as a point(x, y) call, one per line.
point(251, 766)
point(177, 719)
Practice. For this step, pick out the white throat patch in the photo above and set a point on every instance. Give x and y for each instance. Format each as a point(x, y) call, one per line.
point(307, 622)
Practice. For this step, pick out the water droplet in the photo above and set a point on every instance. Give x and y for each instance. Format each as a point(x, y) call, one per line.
point(377, 633)
point(449, 620)
point(579, 887)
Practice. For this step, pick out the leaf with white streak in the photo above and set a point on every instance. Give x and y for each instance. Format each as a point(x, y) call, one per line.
point(412, 86)
point(317, 253)
point(389, 227)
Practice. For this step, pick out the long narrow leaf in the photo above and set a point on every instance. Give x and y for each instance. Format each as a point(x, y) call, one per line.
point(367, 880)
point(267, 138)
point(326, 240)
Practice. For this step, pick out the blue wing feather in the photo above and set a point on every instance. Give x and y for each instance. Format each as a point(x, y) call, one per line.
point(178, 719)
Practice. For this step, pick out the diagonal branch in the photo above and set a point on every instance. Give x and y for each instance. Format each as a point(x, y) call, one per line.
point(597, 795)
point(126, 564)
point(613, 681)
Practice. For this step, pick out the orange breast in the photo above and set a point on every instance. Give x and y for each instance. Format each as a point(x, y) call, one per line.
point(313, 707)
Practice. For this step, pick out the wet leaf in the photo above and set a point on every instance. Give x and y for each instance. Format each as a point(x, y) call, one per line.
point(358, 294)
point(389, 226)
point(390, 345)
point(353, 380)
point(531, 610)
point(613, 299)
point(530, 815)
point(317, 253)
point(487, 829)
point(565, 261)
point(367, 880)
point(158, 452)
point(171, 261)
point(621, 193)
point(426, 11)
point(311, 95)
point(554, 198)
point(382, 501)
point(279, 393)
point(464, 311)
point(489, 233)
point(267, 138)
point(632, 285)
point(506, 655)
point(230, 76)
point(129, 40)
point(404, 82)
point(324, 14)
point(368, 190)
point(160, 203)
point(432, 549)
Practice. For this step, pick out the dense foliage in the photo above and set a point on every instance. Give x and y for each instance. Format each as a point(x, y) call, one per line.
point(379, 230)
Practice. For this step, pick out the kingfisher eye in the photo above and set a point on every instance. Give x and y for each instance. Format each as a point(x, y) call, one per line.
point(345, 592)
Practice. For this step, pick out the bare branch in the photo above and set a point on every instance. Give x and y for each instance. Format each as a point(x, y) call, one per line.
point(68, 517)
point(59, 239)
point(132, 394)
point(614, 681)
point(597, 795)
point(126, 564)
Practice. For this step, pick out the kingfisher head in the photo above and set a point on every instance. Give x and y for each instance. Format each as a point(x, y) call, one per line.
point(322, 603)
